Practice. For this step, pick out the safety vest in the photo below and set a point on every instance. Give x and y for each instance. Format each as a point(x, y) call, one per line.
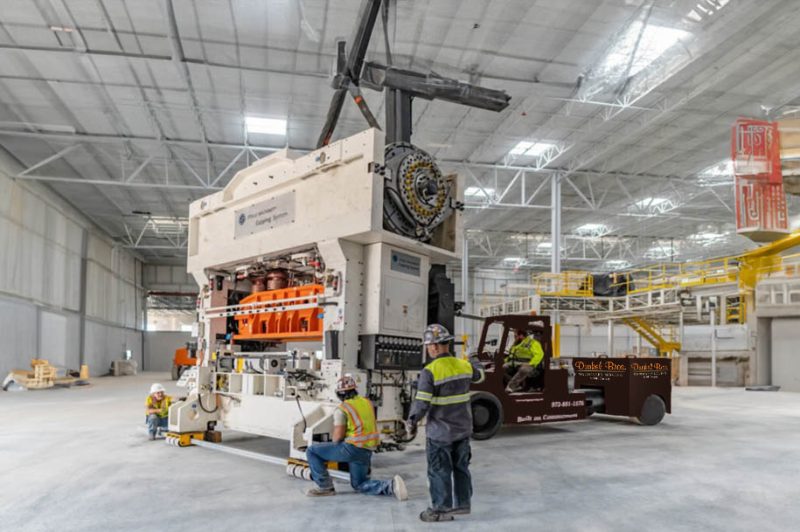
point(528, 351)
point(163, 405)
point(451, 380)
point(362, 430)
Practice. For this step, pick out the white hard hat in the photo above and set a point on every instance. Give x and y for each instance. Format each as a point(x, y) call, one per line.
point(156, 387)
point(346, 383)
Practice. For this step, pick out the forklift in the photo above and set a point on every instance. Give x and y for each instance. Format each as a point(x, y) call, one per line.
point(564, 389)
point(184, 358)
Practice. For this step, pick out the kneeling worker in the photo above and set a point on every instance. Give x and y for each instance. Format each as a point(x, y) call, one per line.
point(443, 395)
point(355, 435)
point(157, 409)
point(523, 360)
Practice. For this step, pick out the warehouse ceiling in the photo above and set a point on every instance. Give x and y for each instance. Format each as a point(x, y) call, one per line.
point(629, 104)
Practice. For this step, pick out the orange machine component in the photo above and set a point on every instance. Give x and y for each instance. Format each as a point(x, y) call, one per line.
point(282, 320)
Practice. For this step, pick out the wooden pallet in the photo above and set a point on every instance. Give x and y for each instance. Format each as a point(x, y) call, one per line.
point(43, 375)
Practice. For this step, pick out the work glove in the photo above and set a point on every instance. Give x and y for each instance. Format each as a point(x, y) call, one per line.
point(411, 426)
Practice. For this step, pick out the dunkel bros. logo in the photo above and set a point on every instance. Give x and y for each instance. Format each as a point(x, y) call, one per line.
point(599, 365)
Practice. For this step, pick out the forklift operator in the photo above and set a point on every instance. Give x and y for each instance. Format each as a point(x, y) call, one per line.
point(523, 360)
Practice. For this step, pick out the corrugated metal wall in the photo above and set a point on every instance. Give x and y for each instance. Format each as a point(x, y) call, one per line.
point(40, 249)
point(169, 278)
point(41, 245)
point(160, 346)
point(114, 285)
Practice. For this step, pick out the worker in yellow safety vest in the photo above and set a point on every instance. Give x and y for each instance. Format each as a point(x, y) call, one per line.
point(523, 360)
point(355, 437)
point(157, 409)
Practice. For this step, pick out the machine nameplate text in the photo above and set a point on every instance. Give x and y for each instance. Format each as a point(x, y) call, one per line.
point(404, 263)
point(265, 215)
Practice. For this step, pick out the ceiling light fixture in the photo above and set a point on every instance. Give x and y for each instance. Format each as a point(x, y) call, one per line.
point(722, 168)
point(525, 148)
point(719, 174)
point(706, 8)
point(473, 192)
point(617, 264)
point(593, 229)
point(654, 204)
point(707, 238)
point(267, 126)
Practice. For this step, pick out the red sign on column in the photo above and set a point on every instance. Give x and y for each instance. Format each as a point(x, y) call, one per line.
point(760, 200)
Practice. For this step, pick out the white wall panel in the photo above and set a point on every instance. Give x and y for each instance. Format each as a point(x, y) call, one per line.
point(19, 335)
point(113, 279)
point(41, 241)
point(40, 249)
point(786, 354)
point(99, 251)
point(168, 278)
point(53, 338)
point(159, 348)
point(105, 343)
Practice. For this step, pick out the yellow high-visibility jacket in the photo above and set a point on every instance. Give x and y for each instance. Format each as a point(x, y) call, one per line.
point(162, 405)
point(362, 429)
point(528, 351)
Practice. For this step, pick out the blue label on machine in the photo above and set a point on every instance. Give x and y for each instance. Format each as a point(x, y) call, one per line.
point(405, 263)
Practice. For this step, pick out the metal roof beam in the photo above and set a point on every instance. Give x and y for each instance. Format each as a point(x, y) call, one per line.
point(58, 155)
point(111, 183)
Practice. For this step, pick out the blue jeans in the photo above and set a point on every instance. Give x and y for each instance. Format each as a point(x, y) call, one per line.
point(154, 422)
point(357, 459)
point(448, 474)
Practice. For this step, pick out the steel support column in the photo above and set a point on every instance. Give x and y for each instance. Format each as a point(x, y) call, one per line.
point(465, 274)
point(555, 250)
point(82, 297)
point(467, 326)
point(555, 224)
point(713, 346)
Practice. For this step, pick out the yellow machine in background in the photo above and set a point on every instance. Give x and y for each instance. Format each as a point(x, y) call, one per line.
point(656, 301)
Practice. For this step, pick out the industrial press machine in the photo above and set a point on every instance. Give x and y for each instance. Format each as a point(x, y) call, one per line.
point(312, 266)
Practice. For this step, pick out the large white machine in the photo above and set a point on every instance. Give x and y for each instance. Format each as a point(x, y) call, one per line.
point(313, 266)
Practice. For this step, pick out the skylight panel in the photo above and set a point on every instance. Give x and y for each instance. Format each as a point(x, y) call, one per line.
point(267, 126)
point(640, 45)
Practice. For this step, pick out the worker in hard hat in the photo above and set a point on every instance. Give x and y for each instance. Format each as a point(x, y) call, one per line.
point(157, 409)
point(443, 395)
point(523, 360)
point(355, 437)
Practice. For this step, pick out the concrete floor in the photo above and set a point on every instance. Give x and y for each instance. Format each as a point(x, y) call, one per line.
point(727, 459)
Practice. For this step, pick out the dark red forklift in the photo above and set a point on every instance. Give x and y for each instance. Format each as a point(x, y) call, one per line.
point(565, 389)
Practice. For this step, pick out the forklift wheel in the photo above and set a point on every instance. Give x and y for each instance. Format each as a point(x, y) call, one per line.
point(653, 410)
point(487, 415)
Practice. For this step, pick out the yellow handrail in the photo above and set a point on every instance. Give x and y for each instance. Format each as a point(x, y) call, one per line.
point(569, 283)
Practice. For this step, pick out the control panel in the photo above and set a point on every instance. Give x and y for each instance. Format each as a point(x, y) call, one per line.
point(382, 351)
